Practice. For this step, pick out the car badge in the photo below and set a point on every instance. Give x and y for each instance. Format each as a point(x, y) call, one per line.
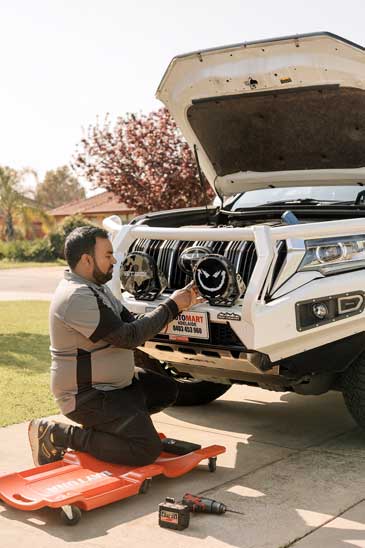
point(190, 256)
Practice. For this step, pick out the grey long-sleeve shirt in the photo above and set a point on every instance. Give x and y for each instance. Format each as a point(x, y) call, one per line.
point(92, 337)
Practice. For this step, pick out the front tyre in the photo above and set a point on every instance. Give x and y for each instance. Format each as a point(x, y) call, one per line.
point(353, 389)
point(196, 392)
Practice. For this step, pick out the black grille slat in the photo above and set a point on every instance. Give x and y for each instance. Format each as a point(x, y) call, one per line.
point(251, 262)
point(219, 247)
point(138, 245)
point(238, 255)
point(176, 277)
point(164, 255)
point(154, 249)
point(180, 276)
point(230, 250)
point(164, 260)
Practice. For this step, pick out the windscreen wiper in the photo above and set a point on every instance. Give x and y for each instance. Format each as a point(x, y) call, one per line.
point(300, 201)
point(351, 202)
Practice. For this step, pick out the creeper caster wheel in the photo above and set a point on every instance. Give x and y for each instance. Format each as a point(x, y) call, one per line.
point(212, 464)
point(145, 486)
point(70, 514)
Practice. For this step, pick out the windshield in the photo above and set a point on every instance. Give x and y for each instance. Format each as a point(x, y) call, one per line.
point(318, 193)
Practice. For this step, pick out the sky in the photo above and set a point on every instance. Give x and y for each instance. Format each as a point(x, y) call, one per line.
point(66, 63)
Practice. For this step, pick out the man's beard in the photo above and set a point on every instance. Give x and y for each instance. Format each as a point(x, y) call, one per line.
point(101, 277)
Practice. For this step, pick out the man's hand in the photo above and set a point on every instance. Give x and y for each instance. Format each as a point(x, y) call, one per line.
point(187, 297)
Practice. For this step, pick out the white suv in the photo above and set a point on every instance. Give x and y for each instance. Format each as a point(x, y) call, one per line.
point(278, 128)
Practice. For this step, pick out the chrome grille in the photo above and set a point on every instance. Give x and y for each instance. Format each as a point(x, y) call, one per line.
point(166, 253)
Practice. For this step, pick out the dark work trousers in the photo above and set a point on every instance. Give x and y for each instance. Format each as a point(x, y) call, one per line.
point(116, 424)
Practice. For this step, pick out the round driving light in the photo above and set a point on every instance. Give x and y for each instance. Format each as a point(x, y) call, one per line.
point(190, 257)
point(330, 253)
point(320, 311)
point(140, 276)
point(217, 281)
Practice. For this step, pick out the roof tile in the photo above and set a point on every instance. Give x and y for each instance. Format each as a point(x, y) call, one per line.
point(105, 202)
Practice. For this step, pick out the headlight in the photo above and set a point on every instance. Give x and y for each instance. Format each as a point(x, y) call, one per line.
point(334, 254)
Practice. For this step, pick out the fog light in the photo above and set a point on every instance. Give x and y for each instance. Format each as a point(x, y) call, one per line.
point(217, 280)
point(140, 276)
point(320, 310)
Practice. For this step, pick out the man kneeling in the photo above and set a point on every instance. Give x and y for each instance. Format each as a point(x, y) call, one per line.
point(93, 375)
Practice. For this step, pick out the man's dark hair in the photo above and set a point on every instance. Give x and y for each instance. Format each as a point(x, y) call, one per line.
point(82, 240)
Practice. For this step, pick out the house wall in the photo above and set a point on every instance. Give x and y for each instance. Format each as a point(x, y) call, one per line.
point(37, 232)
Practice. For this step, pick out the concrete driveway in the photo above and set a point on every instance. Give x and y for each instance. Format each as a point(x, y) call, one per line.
point(29, 283)
point(294, 468)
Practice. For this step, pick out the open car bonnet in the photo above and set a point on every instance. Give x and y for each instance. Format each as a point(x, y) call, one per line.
point(281, 112)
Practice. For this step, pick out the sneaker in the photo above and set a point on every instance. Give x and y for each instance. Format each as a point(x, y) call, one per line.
point(41, 442)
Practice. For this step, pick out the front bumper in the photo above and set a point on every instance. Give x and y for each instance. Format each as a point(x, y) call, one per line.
point(267, 325)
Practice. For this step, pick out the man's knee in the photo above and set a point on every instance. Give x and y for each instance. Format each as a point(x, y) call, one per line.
point(169, 390)
point(136, 451)
point(147, 452)
point(161, 391)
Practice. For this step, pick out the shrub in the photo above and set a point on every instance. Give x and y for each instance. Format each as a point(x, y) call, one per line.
point(42, 249)
point(56, 241)
point(57, 237)
point(14, 250)
point(39, 250)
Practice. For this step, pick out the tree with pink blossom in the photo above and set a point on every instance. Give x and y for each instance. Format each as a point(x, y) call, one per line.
point(144, 160)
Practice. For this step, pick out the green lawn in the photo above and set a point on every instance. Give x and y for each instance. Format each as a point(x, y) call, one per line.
point(24, 362)
point(15, 264)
